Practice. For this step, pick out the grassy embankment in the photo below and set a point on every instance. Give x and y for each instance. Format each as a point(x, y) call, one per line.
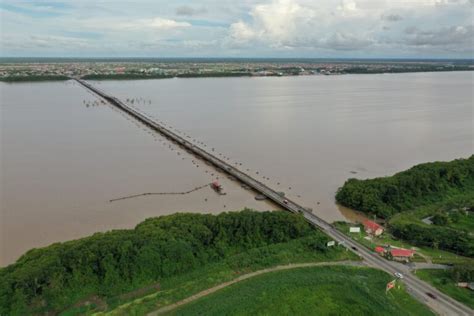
point(31, 78)
point(443, 281)
point(309, 291)
point(162, 260)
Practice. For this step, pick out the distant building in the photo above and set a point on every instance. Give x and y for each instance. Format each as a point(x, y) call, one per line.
point(373, 228)
point(402, 255)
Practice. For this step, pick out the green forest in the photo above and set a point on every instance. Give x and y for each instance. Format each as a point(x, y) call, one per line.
point(442, 190)
point(420, 185)
point(108, 264)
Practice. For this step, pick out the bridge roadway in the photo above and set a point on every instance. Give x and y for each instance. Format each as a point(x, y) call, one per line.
point(442, 305)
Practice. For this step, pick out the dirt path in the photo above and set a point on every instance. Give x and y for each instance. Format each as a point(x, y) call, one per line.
point(211, 290)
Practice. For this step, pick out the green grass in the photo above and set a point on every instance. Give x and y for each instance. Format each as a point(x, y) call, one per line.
point(458, 219)
point(461, 220)
point(441, 279)
point(436, 255)
point(309, 291)
point(179, 287)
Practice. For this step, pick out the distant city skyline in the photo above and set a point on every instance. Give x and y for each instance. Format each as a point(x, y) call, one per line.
point(255, 29)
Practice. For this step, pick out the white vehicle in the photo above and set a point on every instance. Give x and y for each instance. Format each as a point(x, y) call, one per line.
point(398, 275)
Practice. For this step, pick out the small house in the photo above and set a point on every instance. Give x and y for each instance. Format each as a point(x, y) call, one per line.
point(401, 255)
point(380, 250)
point(373, 228)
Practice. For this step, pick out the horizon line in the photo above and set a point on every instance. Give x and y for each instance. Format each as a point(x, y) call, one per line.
point(237, 58)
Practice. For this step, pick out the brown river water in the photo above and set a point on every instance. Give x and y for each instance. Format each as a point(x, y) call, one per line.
point(63, 158)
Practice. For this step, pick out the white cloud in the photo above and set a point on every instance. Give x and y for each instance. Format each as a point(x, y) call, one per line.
point(347, 6)
point(347, 25)
point(167, 24)
point(308, 28)
point(241, 32)
point(275, 23)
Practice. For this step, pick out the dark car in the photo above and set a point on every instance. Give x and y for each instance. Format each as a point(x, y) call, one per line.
point(431, 295)
point(354, 248)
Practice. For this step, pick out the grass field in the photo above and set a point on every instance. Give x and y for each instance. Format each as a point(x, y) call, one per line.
point(443, 282)
point(333, 290)
point(177, 288)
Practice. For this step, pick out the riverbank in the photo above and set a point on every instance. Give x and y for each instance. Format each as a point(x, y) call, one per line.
point(428, 205)
point(146, 76)
point(34, 78)
point(180, 254)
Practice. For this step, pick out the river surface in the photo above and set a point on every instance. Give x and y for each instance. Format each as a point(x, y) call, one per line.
point(65, 155)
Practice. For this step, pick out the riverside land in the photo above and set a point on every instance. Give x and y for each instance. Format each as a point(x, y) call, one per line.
point(18, 69)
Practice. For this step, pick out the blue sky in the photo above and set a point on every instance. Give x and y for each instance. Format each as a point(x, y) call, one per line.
point(247, 28)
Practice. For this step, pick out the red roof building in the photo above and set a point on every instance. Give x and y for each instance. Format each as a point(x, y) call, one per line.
point(373, 228)
point(399, 254)
point(379, 250)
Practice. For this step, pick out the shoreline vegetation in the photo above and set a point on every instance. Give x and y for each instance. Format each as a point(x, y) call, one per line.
point(34, 78)
point(166, 258)
point(145, 76)
point(431, 204)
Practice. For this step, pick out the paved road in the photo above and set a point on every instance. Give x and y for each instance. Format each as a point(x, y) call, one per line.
point(211, 290)
point(443, 304)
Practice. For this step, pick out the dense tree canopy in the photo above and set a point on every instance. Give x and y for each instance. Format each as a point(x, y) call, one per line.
point(420, 185)
point(107, 264)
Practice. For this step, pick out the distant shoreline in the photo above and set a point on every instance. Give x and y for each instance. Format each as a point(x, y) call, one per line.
point(111, 77)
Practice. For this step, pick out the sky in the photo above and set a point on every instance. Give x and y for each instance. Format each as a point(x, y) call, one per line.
point(246, 28)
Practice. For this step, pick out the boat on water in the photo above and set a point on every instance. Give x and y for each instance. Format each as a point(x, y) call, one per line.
point(216, 186)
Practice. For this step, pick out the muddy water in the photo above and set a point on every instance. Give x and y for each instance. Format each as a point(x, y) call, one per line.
point(306, 135)
point(63, 158)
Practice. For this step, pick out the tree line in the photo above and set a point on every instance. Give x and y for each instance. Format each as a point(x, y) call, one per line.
point(119, 261)
point(421, 185)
